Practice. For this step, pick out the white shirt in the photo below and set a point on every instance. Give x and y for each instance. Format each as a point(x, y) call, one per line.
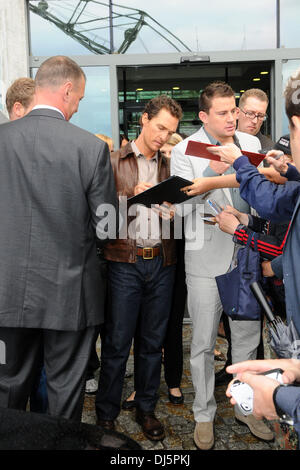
point(46, 106)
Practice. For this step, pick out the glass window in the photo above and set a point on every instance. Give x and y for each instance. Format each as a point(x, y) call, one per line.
point(2, 92)
point(93, 113)
point(82, 27)
point(184, 83)
point(289, 68)
point(289, 30)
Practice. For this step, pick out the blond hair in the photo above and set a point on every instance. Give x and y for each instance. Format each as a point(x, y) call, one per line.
point(20, 91)
point(174, 139)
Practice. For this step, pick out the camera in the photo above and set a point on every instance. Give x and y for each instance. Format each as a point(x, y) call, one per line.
point(243, 393)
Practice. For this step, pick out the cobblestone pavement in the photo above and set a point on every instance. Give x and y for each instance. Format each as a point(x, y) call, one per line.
point(178, 419)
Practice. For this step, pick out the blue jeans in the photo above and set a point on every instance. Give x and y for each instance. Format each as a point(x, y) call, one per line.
point(140, 301)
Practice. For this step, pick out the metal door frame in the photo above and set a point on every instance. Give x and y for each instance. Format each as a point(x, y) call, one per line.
point(276, 56)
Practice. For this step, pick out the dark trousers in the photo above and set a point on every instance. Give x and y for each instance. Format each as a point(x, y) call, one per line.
point(94, 362)
point(39, 395)
point(173, 348)
point(66, 354)
point(140, 302)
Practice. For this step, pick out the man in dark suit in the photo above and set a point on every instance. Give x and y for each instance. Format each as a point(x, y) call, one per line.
point(3, 118)
point(54, 177)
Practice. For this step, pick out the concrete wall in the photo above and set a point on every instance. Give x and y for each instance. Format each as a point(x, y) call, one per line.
point(14, 54)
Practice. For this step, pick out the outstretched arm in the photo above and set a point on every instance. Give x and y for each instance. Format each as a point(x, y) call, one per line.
point(202, 185)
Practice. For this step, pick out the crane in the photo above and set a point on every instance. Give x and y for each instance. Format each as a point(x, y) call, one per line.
point(84, 25)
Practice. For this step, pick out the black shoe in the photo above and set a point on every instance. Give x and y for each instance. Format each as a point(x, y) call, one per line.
point(222, 378)
point(176, 400)
point(107, 424)
point(151, 426)
point(128, 405)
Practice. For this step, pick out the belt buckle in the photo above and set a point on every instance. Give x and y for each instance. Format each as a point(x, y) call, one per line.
point(148, 253)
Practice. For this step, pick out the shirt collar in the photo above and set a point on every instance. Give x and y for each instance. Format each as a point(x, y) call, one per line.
point(214, 141)
point(46, 106)
point(138, 154)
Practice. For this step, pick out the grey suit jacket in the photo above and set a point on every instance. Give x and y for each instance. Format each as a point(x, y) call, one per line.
point(209, 251)
point(53, 176)
point(3, 118)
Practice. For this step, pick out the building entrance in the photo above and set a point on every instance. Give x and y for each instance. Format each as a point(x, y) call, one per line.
point(184, 82)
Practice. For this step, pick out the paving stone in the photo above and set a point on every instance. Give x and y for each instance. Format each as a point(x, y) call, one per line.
point(179, 420)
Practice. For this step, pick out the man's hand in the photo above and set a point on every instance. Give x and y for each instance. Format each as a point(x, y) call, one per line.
point(279, 163)
point(267, 270)
point(227, 222)
point(141, 187)
point(218, 167)
point(166, 210)
point(241, 216)
point(199, 186)
point(227, 153)
point(290, 367)
point(263, 388)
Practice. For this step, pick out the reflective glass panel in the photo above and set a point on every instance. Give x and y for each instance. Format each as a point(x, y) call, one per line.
point(82, 27)
point(93, 113)
point(289, 21)
point(184, 82)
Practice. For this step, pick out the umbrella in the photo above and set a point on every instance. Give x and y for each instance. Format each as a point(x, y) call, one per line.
point(284, 339)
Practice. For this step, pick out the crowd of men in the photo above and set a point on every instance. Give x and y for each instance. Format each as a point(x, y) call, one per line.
point(57, 183)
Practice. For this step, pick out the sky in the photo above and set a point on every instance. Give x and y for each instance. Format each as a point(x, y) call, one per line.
point(201, 25)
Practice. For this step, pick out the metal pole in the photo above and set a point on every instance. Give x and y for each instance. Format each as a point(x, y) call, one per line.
point(111, 33)
point(278, 24)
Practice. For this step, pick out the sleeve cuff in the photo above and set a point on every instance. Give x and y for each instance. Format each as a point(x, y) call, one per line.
point(237, 233)
point(284, 397)
point(276, 265)
point(292, 173)
point(239, 162)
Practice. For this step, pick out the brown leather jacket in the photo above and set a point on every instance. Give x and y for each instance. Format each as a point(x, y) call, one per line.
point(125, 170)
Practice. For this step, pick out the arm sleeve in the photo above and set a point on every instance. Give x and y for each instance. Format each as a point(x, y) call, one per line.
point(269, 246)
point(276, 265)
point(288, 400)
point(292, 173)
point(102, 198)
point(271, 201)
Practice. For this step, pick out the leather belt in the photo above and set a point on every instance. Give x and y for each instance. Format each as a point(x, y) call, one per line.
point(148, 252)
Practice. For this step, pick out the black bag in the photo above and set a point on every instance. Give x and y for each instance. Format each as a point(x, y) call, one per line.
point(236, 296)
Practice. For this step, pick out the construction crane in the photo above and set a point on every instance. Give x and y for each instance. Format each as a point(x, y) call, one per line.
point(82, 22)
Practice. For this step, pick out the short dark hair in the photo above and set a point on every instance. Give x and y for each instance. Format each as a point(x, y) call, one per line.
point(155, 105)
point(21, 91)
point(57, 70)
point(213, 90)
point(292, 96)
